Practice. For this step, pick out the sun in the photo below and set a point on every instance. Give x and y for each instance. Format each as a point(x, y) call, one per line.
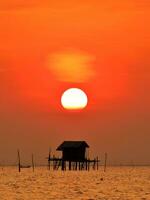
point(74, 99)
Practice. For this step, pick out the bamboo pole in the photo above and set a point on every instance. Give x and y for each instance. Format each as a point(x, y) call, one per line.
point(49, 159)
point(63, 165)
point(105, 163)
point(54, 162)
point(97, 162)
point(69, 165)
point(76, 165)
point(79, 165)
point(19, 161)
point(33, 166)
point(88, 165)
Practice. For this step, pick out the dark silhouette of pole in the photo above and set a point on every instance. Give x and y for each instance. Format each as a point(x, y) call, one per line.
point(76, 165)
point(69, 165)
point(33, 166)
point(54, 162)
point(97, 162)
point(89, 165)
point(86, 165)
point(63, 165)
point(105, 163)
point(49, 159)
point(19, 162)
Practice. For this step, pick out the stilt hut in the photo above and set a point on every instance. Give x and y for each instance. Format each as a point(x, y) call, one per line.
point(74, 152)
point(74, 156)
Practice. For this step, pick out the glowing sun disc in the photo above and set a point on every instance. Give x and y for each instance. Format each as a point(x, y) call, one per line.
point(74, 99)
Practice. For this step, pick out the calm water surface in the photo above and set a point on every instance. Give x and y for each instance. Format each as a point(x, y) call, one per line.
point(118, 183)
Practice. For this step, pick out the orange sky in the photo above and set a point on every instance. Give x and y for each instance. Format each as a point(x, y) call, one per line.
point(107, 45)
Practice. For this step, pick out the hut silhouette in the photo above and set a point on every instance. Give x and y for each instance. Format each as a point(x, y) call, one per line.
point(74, 155)
point(73, 150)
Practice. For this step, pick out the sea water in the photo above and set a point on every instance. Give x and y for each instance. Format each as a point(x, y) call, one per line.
point(117, 183)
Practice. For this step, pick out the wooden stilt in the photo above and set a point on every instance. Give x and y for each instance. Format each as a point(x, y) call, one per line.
point(69, 165)
point(33, 166)
point(97, 162)
point(94, 164)
point(63, 165)
point(53, 162)
point(49, 159)
point(86, 165)
point(79, 166)
point(19, 161)
point(83, 163)
point(76, 167)
point(105, 163)
point(72, 166)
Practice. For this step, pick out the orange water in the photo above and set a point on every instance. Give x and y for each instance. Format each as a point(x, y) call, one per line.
point(118, 183)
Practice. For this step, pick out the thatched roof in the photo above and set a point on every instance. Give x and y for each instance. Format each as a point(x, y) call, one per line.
point(72, 144)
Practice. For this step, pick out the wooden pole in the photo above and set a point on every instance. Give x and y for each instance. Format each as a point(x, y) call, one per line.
point(79, 165)
point(33, 166)
point(19, 162)
point(53, 163)
point(76, 165)
point(49, 159)
point(105, 163)
point(94, 163)
point(69, 165)
point(97, 162)
point(63, 165)
point(88, 165)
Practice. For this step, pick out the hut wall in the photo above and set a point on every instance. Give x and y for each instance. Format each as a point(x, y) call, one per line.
point(74, 154)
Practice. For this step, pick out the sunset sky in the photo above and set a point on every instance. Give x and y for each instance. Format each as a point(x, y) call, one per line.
point(101, 47)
